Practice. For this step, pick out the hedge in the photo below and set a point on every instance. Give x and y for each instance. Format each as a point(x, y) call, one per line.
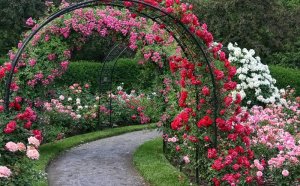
point(126, 71)
point(130, 73)
point(286, 76)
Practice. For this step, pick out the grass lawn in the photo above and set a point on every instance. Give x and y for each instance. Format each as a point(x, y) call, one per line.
point(51, 150)
point(155, 168)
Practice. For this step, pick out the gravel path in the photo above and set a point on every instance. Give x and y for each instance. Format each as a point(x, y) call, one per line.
point(105, 162)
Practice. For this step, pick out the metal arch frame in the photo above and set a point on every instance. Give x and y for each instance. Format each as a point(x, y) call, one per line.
point(111, 77)
point(119, 3)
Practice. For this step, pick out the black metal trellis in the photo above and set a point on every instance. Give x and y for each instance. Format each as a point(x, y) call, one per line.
point(106, 76)
point(190, 44)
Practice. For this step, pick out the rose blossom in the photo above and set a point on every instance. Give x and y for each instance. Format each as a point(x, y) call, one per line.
point(186, 159)
point(32, 153)
point(33, 141)
point(4, 172)
point(11, 146)
point(259, 174)
point(285, 172)
point(21, 146)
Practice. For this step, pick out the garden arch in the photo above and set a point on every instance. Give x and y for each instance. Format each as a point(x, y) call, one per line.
point(190, 44)
point(187, 40)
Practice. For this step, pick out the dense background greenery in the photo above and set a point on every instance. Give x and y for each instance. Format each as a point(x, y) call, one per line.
point(13, 15)
point(126, 71)
point(269, 27)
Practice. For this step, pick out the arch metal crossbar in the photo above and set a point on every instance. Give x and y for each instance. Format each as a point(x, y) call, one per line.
point(190, 44)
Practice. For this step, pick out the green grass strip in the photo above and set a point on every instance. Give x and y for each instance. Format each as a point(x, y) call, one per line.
point(51, 150)
point(155, 168)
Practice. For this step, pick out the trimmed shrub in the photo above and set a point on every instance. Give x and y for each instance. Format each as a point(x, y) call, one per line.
point(286, 76)
point(126, 71)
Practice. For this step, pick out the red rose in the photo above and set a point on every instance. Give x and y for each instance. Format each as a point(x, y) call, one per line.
point(239, 149)
point(212, 153)
point(231, 85)
point(173, 66)
point(239, 129)
point(193, 139)
point(176, 123)
point(205, 122)
point(133, 117)
point(216, 182)
point(10, 127)
point(247, 141)
point(206, 138)
point(128, 4)
point(27, 125)
point(202, 101)
point(231, 71)
point(205, 91)
point(250, 154)
point(222, 56)
point(222, 112)
point(238, 99)
point(182, 99)
point(228, 101)
point(217, 165)
point(232, 137)
point(249, 179)
point(219, 74)
point(37, 134)
point(236, 167)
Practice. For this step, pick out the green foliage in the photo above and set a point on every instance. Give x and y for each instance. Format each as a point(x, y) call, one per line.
point(3, 60)
point(14, 14)
point(285, 77)
point(266, 26)
point(290, 57)
point(126, 71)
point(155, 168)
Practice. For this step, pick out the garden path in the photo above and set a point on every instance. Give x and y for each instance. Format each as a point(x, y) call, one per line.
point(105, 162)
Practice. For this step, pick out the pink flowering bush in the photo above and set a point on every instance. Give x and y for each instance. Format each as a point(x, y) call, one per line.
point(75, 110)
point(276, 141)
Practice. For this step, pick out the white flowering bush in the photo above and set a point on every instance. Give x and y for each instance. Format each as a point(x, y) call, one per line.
point(255, 83)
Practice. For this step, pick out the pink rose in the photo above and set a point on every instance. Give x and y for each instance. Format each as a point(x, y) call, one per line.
point(259, 174)
point(32, 153)
point(33, 141)
point(61, 97)
point(4, 172)
point(285, 172)
point(186, 159)
point(30, 22)
point(11, 146)
point(21, 146)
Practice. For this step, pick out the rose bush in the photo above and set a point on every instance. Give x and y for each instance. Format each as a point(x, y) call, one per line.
point(275, 141)
point(255, 83)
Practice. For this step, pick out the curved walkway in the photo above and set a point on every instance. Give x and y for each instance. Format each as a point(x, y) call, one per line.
point(105, 162)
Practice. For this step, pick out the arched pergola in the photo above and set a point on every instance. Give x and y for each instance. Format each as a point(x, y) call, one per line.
point(190, 44)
